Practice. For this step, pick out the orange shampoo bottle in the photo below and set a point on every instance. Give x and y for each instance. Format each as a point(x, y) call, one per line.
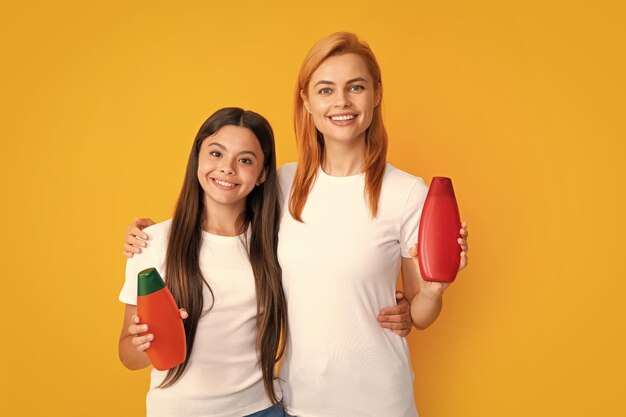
point(156, 307)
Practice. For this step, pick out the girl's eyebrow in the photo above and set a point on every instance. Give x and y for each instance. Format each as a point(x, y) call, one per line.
point(354, 80)
point(219, 145)
point(247, 152)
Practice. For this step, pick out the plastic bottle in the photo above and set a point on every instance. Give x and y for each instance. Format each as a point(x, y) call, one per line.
point(156, 307)
point(438, 249)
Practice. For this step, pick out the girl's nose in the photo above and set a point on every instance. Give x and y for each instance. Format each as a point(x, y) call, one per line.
point(227, 168)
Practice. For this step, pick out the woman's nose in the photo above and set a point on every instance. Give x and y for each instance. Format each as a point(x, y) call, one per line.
point(342, 100)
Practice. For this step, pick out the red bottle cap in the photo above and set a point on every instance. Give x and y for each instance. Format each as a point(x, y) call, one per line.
point(441, 187)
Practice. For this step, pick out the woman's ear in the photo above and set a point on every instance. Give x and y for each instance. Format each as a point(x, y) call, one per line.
point(379, 94)
point(305, 101)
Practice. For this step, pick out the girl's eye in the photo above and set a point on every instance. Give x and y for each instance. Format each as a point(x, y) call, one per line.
point(215, 154)
point(357, 88)
point(246, 161)
point(325, 91)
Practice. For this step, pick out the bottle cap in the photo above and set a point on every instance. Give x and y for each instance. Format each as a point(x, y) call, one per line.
point(441, 187)
point(149, 281)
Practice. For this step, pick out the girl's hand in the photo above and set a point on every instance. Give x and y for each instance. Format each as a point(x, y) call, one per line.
point(135, 239)
point(398, 317)
point(142, 341)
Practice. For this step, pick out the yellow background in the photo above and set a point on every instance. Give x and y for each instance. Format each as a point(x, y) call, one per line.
point(520, 102)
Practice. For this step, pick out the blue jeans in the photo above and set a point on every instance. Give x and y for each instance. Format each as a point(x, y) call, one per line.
point(274, 411)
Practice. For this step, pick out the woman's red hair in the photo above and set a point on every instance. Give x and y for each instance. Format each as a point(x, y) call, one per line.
point(311, 141)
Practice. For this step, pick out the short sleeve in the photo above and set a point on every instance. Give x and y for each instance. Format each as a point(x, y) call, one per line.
point(411, 216)
point(151, 257)
point(286, 175)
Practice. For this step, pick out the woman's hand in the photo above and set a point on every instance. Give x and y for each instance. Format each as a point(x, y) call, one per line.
point(436, 289)
point(398, 317)
point(463, 243)
point(135, 238)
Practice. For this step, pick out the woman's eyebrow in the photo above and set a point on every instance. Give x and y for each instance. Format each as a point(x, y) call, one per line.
point(324, 82)
point(353, 80)
point(357, 79)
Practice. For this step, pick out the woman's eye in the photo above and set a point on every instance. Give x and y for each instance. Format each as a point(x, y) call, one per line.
point(246, 161)
point(215, 154)
point(325, 91)
point(357, 88)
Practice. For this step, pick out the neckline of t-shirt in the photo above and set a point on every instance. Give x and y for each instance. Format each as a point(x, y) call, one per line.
point(327, 177)
point(222, 239)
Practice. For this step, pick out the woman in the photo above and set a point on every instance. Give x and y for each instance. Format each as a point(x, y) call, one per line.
point(348, 227)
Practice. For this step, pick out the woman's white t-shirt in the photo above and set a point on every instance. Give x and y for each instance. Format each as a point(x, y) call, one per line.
point(222, 378)
point(340, 267)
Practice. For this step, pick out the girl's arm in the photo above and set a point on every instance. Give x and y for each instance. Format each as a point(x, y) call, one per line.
point(427, 297)
point(131, 346)
point(397, 318)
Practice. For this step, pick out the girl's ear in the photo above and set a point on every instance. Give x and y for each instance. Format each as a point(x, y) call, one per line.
point(262, 177)
point(378, 95)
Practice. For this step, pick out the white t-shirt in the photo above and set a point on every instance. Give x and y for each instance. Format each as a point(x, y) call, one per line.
point(222, 378)
point(340, 267)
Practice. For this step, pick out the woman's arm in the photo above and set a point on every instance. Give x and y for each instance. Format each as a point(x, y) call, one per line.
point(427, 297)
point(426, 303)
point(135, 238)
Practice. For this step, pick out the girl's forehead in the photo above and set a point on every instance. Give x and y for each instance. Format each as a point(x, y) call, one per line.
point(233, 137)
point(233, 132)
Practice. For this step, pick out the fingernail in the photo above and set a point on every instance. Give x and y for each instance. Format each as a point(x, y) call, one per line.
point(144, 327)
point(150, 337)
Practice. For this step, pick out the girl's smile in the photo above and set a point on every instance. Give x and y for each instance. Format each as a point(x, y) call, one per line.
point(223, 185)
point(230, 165)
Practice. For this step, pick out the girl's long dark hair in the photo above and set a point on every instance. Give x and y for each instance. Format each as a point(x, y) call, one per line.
point(261, 216)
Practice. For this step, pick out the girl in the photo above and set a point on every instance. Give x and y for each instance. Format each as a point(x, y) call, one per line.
point(218, 256)
point(349, 225)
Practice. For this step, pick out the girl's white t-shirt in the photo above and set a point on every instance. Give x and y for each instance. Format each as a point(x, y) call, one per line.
point(222, 378)
point(340, 267)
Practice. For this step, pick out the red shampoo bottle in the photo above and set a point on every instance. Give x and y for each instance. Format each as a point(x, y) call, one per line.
point(156, 307)
point(438, 251)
